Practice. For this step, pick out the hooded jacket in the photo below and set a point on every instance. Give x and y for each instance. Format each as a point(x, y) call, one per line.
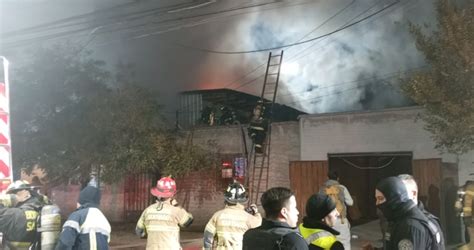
point(409, 227)
point(87, 227)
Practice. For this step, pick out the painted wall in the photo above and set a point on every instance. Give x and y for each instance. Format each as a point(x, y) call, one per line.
point(391, 130)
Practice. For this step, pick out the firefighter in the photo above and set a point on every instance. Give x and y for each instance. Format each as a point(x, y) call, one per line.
point(161, 221)
point(226, 228)
point(258, 127)
point(18, 223)
point(464, 207)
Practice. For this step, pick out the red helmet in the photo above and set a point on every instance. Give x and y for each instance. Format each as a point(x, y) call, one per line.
point(165, 188)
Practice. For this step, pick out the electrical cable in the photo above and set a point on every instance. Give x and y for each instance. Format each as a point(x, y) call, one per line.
point(291, 44)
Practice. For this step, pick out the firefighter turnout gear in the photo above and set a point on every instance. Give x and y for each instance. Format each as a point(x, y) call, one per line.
point(18, 224)
point(161, 223)
point(466, 202)
point(258, 127)
point(226, 228)
point(463, 206)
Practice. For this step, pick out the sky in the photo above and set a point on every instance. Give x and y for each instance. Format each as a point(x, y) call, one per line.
point(168, 41)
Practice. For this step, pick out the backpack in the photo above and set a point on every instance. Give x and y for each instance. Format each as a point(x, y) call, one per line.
point(334, 192)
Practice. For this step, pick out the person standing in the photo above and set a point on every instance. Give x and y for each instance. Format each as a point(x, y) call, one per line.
point(409, 227)
point(278, 229)
point(226, 228)
point(161, 221)
point(87, 227)
point(464, 206)
point(321, 215)
point(342, 198)
point(18, 223)
point(412, 189)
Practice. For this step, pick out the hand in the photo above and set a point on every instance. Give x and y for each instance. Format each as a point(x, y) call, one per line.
point(174, 202)
point(253, 208)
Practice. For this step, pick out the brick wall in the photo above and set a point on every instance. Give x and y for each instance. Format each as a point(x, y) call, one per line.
point(66, 196)
point(199, 191)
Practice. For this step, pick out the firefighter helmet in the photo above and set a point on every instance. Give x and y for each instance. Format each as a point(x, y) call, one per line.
point(17, 186)
point(165, 188)
point(235, 193)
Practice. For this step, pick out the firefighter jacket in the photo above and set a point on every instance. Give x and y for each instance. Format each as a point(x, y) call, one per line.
point(86, 228)
point(319, 235)
point(161, 223)
point(226, 228)
point(18, 224)
point(467, 199)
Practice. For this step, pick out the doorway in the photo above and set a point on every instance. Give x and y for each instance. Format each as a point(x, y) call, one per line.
point(361, 172)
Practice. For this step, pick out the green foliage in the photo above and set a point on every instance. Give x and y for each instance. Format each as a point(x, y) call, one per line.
point(446, 90)
point(69, 114)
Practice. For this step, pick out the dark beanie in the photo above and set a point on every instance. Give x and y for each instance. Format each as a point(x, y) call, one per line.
point(89, 195)
point(319, 206)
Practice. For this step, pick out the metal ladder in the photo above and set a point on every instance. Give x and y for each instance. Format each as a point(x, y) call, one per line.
point(260, 163)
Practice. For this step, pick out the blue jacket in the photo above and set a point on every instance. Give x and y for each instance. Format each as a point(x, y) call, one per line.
point(86, 228)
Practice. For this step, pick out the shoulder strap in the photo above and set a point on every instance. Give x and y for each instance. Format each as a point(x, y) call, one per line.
point(432, 228)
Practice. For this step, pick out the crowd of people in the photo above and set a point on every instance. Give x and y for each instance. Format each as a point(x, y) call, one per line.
point(324, 226)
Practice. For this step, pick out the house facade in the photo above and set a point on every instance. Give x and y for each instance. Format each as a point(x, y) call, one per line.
point(362, 147)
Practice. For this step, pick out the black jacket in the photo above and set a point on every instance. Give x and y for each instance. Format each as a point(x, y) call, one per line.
point(409, 227)
point(18, 224)
point(273, 235)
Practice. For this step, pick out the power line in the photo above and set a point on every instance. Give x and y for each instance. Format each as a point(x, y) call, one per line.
point(295, 57)
point(291, 44)
point(203, 21)
point(298, 53)
point(121, 17)
point(261, 65)
point(307, 34)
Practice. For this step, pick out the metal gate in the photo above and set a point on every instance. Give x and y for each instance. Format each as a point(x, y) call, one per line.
point(427, 173)
point(305, 179)
point(137, 195)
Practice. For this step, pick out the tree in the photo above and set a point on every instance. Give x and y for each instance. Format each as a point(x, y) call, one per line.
point(446, 89)
point(69, 115)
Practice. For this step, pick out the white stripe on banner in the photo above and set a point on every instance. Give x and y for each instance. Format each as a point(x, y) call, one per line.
point(5, 169)
point(4, 104)
point(4, 129)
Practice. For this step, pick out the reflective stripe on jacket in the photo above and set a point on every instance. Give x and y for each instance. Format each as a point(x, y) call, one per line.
point(161, 223)
point(317, 237)
point(227, 226)
point(86, 229)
